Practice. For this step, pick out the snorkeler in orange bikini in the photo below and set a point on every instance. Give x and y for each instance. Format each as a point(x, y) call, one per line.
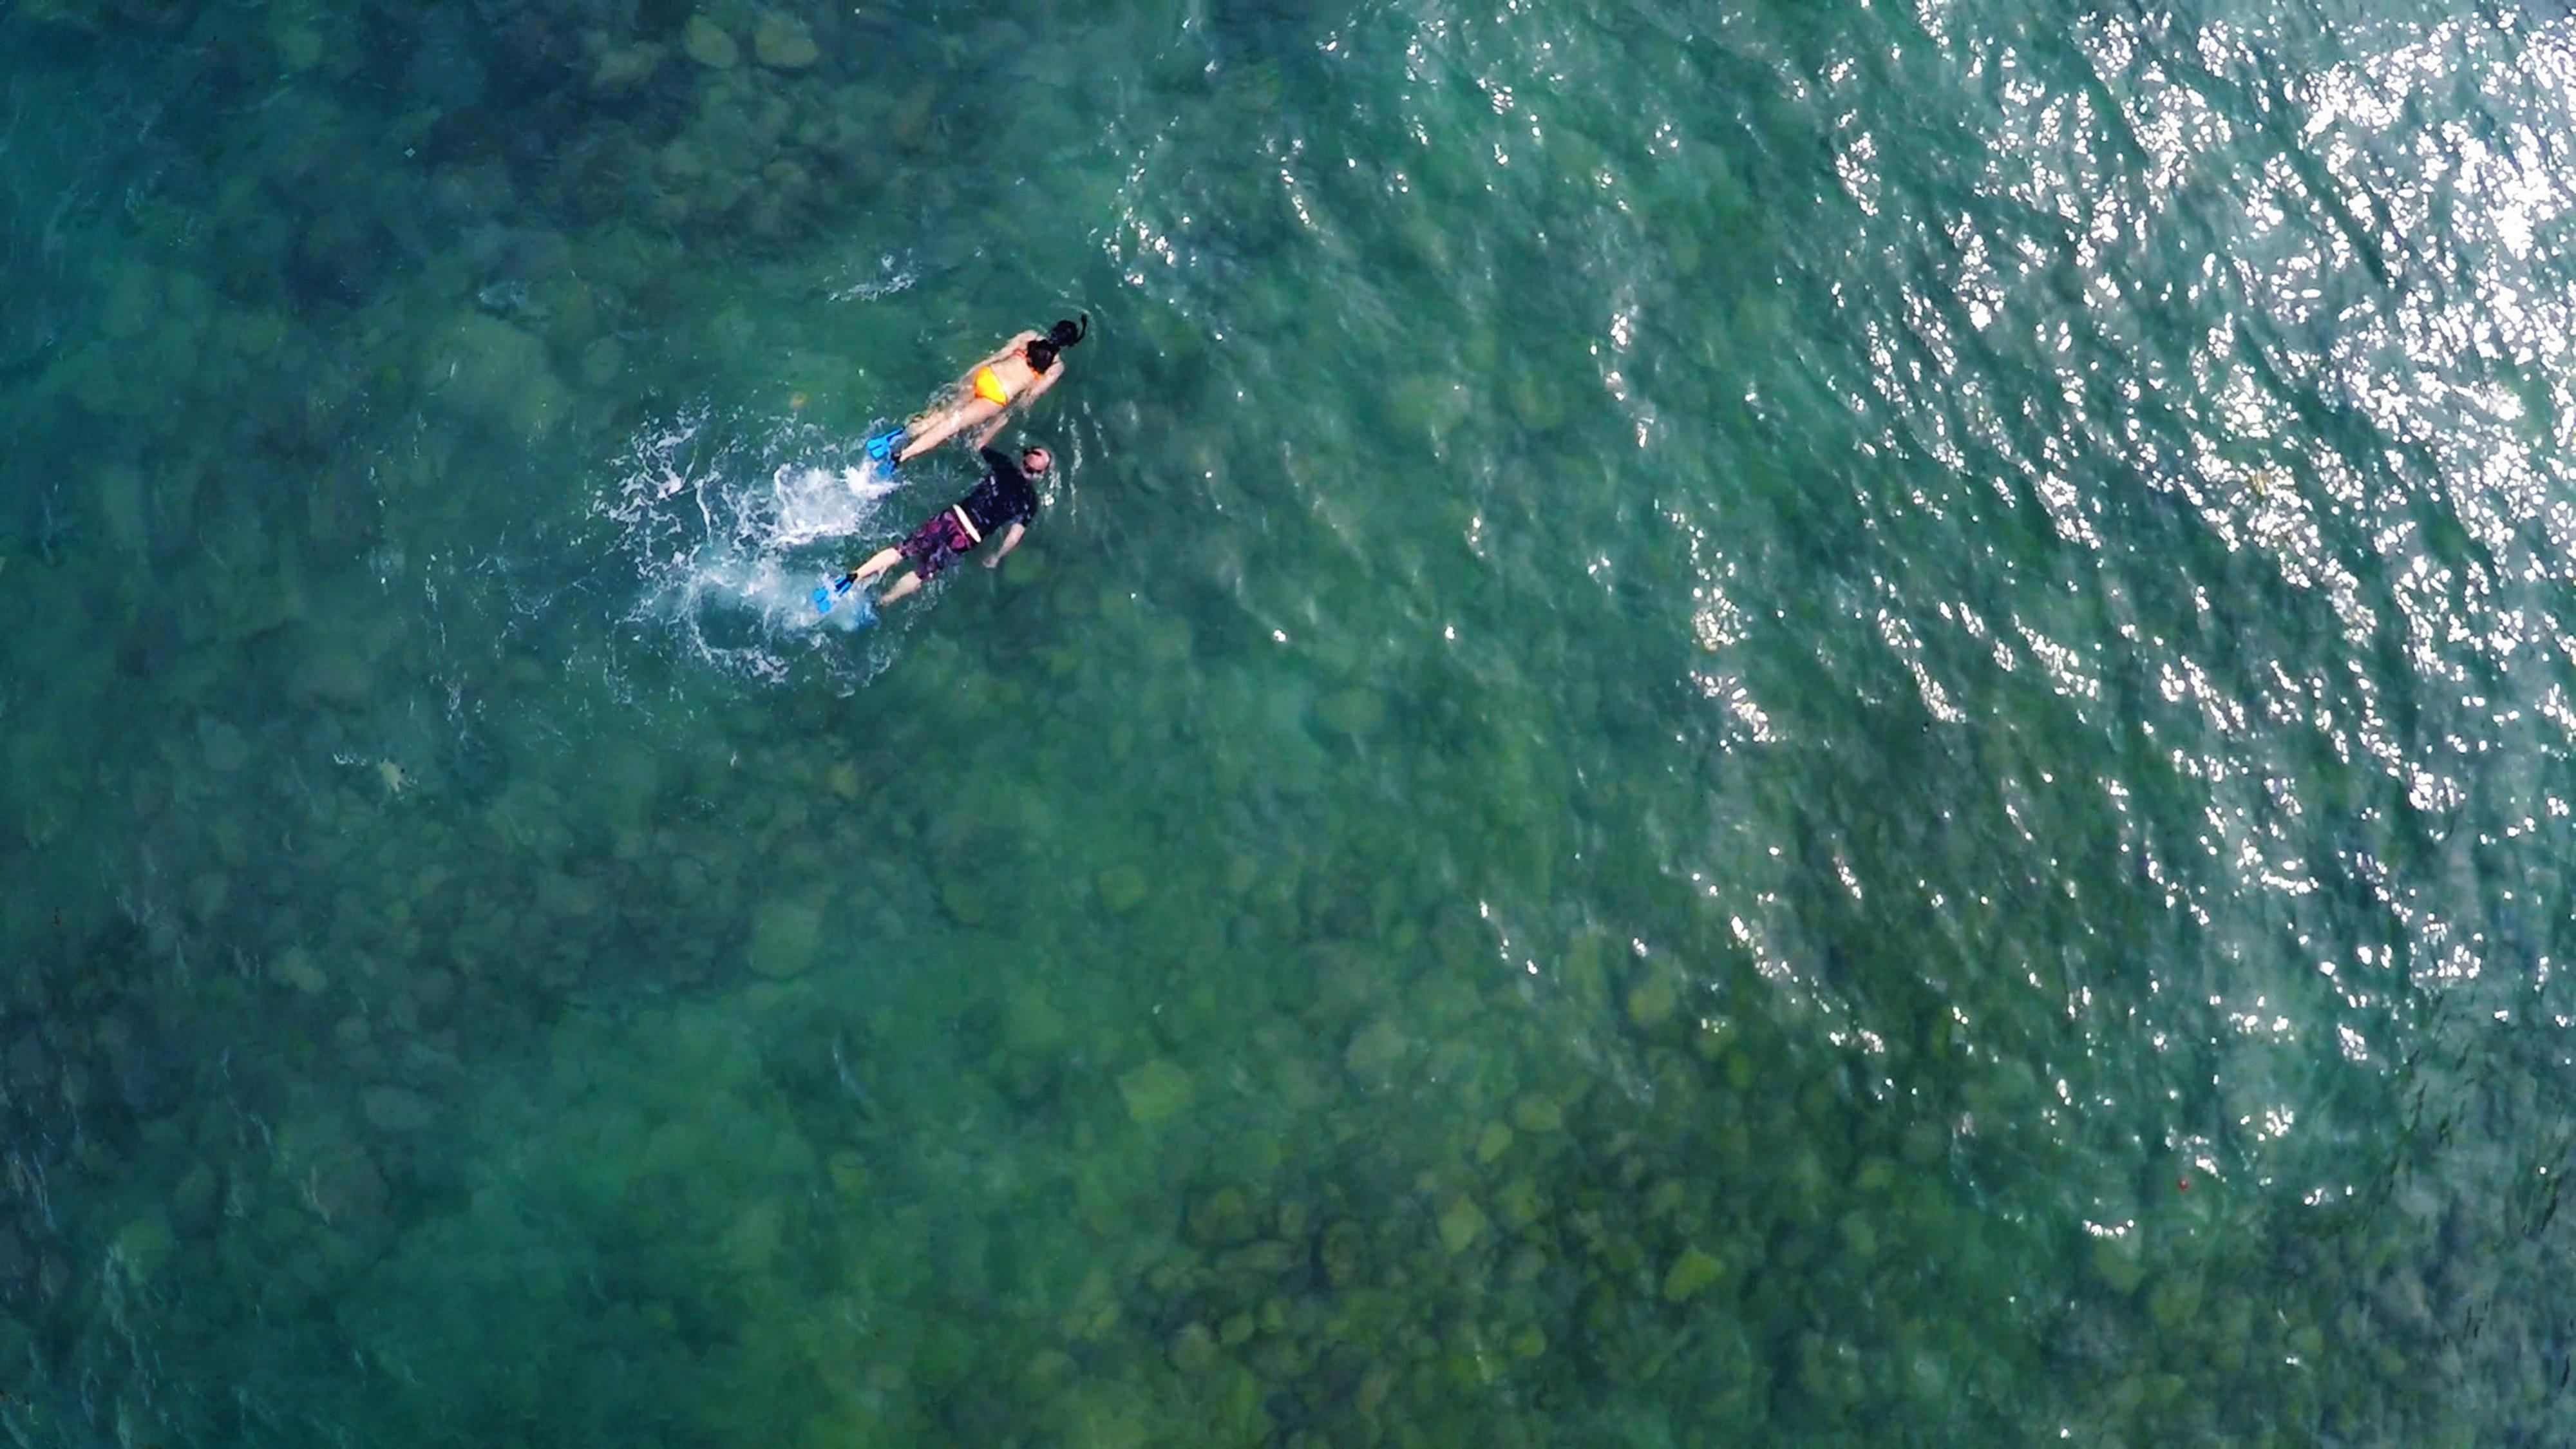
point(1013, 377)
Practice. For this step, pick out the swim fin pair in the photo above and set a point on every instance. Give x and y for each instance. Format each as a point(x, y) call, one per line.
point(886, 448)
point(824, 599)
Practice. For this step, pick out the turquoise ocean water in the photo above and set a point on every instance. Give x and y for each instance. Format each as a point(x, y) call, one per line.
point(1737, 723)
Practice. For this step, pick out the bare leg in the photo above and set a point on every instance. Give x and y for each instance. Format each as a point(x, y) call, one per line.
point(901, 588)
point(936, 429)
point(879, 562)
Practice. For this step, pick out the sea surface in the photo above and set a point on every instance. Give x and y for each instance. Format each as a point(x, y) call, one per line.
point(1736, 722)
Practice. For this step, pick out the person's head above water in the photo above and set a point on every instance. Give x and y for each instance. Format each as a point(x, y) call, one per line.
point(1036, 460)
point(1042, 353)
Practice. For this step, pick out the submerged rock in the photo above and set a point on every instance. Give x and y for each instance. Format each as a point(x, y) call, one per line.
point(495, 372)
point(1860, 1237)
point(782, 41)
point(1375, 1050)
point(296, 969)
point(398, 1109)
point(2174, 1301)
point(124, 508)
point(1220, 1219)
point(849, 1174)
point(226, 750)
point(626, 68)
point(1652, 1002)
point(1030, 1021)
point(1462, 1223)
point(1537, 400)
point(1155, 1092)
point(343, 1186)
point(1194, 1349)
point(784, 938)
point(2115, 1262)
point(1714, 1036)
point(1122, 889)
point(709, 45)
point(1693, 1271)
point(332, 672)
point(299, 47)
point(1267, 1259)
point(965, 895)
point(602, 361)
point(193, 1200)
point(1355, 712)
point(1344, 1254)
point(143, 1246)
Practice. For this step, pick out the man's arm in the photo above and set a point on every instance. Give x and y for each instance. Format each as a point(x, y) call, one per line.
point(1010, 540)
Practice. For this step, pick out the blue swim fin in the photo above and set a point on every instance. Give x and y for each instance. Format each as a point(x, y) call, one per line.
point(824, 598)
point(886, 446)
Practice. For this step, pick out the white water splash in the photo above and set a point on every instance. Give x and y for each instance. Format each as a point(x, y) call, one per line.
point(730, 543)
point(893, 275)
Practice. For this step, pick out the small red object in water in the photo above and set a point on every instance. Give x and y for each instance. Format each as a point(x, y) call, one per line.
point(2182, 1184)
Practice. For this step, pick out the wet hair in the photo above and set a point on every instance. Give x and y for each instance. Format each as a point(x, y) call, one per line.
point(1042, 353)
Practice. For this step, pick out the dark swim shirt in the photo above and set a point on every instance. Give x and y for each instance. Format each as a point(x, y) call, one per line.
point(1003, 498)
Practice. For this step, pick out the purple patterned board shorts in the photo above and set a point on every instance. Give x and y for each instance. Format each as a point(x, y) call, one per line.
point(936, 544)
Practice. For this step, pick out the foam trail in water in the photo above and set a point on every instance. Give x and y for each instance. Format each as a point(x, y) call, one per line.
point(728, 559)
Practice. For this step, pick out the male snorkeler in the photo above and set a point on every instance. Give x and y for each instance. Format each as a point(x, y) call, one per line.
point(1003, 502)
point(1025, 367)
